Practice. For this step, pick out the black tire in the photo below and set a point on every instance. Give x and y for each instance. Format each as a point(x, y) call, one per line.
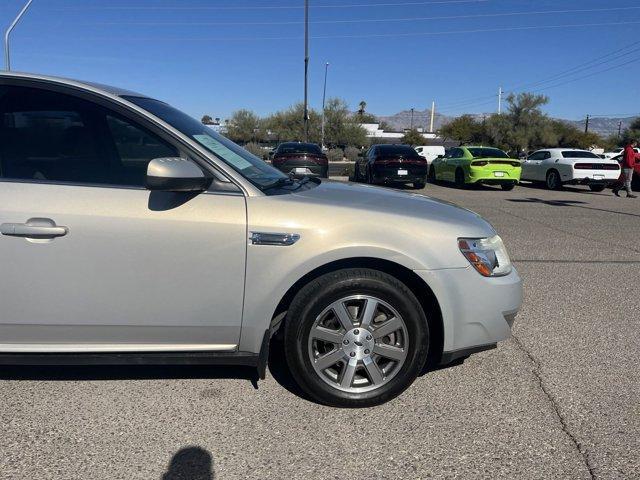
point(553, 181)
point(597, 188)
point(459, 178)
point(369, 176)
point(431, 175)
point(355, 177)
point(316, 296)
point(507, 187)
point(419, 185)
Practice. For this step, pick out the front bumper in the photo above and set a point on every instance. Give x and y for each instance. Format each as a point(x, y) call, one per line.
point(477, 311)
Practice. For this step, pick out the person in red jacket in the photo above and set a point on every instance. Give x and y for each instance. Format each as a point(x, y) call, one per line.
point(629, 159)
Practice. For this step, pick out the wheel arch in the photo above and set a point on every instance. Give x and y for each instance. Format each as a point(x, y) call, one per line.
point(422, 291)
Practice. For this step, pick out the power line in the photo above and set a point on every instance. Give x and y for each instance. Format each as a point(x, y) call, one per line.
point(375, 20)
point(382, 35)
point(265, 7)
point(477, 101)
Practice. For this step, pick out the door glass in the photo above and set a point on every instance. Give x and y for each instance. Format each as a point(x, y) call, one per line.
point(135, 148)
point(48, 141)
point(52, 137)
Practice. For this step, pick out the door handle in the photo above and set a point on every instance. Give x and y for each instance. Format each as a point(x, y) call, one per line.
point(34, 228)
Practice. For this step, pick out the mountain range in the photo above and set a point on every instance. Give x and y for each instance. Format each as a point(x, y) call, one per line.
point(604, 126)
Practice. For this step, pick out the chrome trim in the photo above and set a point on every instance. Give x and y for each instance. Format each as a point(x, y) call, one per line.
point(113, 347)
point(279, 239)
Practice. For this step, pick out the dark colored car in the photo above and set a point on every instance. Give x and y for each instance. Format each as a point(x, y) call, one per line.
point(301, 159)
point(391, 164)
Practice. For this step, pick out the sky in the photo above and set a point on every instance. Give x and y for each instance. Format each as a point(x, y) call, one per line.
point(216, 56)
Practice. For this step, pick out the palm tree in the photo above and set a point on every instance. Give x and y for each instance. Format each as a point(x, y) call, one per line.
point(362, 105)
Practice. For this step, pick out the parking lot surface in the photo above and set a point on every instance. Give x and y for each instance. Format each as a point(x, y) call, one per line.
point(559, 400)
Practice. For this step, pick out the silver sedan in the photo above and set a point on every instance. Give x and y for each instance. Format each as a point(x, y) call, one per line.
point(133, 233)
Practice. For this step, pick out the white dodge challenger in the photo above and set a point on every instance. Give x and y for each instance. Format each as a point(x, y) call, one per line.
point(562, 166)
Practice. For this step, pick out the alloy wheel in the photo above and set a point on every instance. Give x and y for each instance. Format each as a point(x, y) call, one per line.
point(358, 344)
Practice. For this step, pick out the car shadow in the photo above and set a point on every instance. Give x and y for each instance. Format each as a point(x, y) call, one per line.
point(127, 372)
point(568, 203)
point(190, 463)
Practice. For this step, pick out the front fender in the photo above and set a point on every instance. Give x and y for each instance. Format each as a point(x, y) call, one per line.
point(273, 270)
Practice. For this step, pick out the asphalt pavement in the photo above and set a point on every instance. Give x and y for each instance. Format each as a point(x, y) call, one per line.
point(561, 399)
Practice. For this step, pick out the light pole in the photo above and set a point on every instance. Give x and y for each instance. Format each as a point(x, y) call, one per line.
point(324, 94)
point(7, 59)
point(412, 119)
point(306, 69)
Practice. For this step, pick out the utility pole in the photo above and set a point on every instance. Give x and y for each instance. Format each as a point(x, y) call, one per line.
point(7, 59)
point(619, 128)
point(306, 69)
point(499, 100)
point(324, 94)
point(586, 125)
point(412, 119)
point(433, 112)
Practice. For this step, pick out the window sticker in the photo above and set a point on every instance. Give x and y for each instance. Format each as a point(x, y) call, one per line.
point(223, 152)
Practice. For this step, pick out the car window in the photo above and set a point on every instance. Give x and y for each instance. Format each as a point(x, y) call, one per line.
point(135, 148)
point(45, 138)
point(52, 137)
point(578, 154)
point(393, 150)
point(483, 152)
point(295, 147)
point(457, 153)
point(253, 168)
point(537, 156)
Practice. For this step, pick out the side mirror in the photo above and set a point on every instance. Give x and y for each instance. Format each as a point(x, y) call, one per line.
point(174, 174)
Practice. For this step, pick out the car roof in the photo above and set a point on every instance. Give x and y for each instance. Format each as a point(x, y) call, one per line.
point(556, 150)
point(91, 86)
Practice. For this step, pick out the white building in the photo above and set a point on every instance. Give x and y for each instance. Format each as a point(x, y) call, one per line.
point(374, 131)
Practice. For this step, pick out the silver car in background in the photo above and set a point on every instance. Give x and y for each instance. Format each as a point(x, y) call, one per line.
point(133, 233)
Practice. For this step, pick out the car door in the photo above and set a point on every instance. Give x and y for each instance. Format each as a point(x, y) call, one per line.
point(451, 163)
point(531, 165)
point(117, 267)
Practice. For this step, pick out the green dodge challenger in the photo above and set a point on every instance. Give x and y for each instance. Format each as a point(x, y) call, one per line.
point(474, 165)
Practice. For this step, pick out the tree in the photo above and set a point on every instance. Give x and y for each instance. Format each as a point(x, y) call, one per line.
point(366, 118)
point(342, 129)
point(244, 126)
point(464, 129)
point(631, 133)
point(362, 106)
point(413, 137)
point(206, 120)
point(288, 125)
point(568, 135)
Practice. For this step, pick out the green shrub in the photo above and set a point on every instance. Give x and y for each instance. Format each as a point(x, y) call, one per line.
point(255, 148)
point(335, 155)
point(351, 153)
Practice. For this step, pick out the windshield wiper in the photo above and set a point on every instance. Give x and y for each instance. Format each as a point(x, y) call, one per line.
point(279, 183)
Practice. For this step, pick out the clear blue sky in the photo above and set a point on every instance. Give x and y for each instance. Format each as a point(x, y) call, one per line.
point(220, 55)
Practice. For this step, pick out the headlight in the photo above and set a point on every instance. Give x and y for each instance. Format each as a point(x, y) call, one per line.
point(487, 255)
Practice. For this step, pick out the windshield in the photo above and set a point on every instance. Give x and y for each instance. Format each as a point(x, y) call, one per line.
point(487, 153)
point(249, 166)
point(295, 147)
point(578, 154)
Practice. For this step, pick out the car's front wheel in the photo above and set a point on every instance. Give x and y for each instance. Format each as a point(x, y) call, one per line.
point(355, 338)
point(459, 178)
point(431, 176)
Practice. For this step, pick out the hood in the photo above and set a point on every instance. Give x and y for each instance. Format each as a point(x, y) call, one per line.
point(373, 201)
